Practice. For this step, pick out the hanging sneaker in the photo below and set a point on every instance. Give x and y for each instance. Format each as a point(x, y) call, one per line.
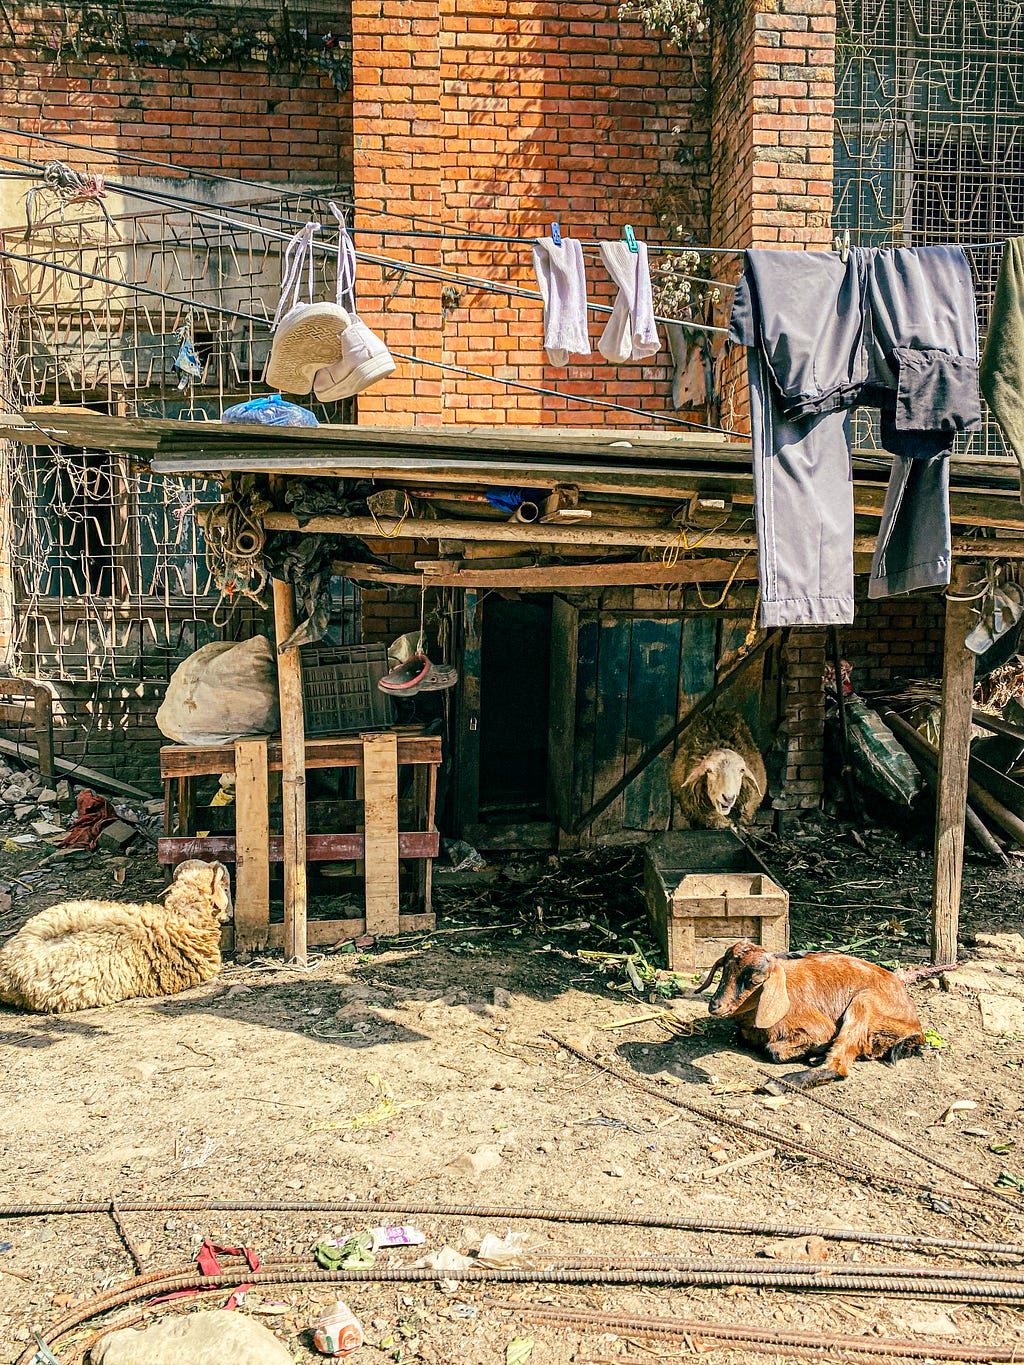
point(307, 339)
point(364, 360)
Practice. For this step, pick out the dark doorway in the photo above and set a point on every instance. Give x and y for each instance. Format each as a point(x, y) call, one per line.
point(514, 680)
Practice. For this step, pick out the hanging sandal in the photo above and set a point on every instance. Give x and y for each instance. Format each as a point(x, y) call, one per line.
point(418, 674)
point(406, 677)
point(364, 357)
point(306, 334)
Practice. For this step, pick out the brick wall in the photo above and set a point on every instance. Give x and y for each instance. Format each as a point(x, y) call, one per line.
point(897, 637)
point(501, 117)
point(238, 117)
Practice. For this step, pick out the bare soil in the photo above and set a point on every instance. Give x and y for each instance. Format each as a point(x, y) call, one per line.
point(368, 1075)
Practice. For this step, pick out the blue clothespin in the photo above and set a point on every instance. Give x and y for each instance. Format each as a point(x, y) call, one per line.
point(630, 238)
point(556, 234)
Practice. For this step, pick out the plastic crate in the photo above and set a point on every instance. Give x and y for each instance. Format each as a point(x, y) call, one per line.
point(339, 689)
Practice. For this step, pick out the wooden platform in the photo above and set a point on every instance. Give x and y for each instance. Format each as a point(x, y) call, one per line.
point(376, 849)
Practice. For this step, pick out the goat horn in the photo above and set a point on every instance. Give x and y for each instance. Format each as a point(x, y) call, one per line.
point(707, 980)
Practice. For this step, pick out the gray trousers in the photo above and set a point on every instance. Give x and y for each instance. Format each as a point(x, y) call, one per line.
point(894, 329)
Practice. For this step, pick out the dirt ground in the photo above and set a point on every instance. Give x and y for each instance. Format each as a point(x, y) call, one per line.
point(370, 1074)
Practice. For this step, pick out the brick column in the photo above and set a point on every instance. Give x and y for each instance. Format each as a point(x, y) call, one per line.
point(396, 155)
point(803, 719)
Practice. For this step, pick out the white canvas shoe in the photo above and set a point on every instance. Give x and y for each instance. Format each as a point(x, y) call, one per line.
point(364, 359)
point(307, 339)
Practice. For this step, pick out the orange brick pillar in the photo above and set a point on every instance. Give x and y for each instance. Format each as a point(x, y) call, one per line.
point(773, 91)
point(396, 157)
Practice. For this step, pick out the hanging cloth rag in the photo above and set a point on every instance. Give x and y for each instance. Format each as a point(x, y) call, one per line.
point(1002, 365)
point(630, 333)
point(562, 281)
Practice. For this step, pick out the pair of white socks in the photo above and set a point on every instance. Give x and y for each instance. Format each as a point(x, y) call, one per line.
point(630, 333)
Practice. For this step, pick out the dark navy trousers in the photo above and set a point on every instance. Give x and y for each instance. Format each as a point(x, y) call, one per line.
point(895, 329)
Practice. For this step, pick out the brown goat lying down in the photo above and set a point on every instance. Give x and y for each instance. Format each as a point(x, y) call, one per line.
point(81, 954)
point(795, 1005)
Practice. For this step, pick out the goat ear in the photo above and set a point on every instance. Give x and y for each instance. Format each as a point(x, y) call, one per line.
point(753, 780)
point(695, 774)
point(773, 1003)
point(707, 980)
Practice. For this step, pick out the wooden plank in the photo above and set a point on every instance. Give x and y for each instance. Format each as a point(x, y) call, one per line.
point(466, 771)
point(954, 754)
point(561, 712)
point(252, 845)
point(703, 705)
point(641, 538)
point(554, 576)
point(380, 817)
point(323, 933)
point(696, 667)
point(181, 760)
point(43, 730)
point(293, 775)
point(653, 695)
point(611, 711)
point(320, 848)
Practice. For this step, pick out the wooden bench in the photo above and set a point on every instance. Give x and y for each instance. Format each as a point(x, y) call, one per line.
point(378, 846)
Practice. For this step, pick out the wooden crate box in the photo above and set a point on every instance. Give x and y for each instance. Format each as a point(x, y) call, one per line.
point(704, 890)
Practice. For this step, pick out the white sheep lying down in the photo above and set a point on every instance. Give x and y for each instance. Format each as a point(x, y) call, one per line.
point(81, 954)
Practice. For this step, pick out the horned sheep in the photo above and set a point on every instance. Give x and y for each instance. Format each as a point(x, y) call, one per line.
point(718, 774)
point(81, 954)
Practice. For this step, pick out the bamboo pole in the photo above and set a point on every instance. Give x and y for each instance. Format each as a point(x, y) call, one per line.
point(293, 775)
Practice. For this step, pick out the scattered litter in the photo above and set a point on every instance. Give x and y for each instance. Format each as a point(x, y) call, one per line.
point(385, 1109)
point(397, 1237)
point(15, 841)
point(934, 1039)
point(6, 1246)
point(462, 857)
point(337, 1331)
point(497, 1253)
point(463, 1310)
point(355, 1253)
point(731, 1087)
point(1008, 1181)
point(665, 1018)
point(957, 1107)
point(517, 1352)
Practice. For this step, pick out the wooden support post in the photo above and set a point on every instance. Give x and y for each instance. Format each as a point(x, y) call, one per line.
point(425, 799)
point(43, 729)
point(293, 776)
point(954, 758)
point(252, 846)
point(380, 820)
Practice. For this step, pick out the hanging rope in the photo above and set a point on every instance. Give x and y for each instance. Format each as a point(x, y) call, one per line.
point(235, 541)
point(70, 187)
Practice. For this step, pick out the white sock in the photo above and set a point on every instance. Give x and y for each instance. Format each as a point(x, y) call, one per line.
point(631, 333)
point(563, 287)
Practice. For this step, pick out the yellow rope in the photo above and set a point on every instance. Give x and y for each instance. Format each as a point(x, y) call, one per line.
point(406, 510)
point(711, 606)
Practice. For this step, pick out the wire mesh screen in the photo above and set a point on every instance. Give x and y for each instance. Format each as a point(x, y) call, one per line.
point(930, 133)
point(108, 572)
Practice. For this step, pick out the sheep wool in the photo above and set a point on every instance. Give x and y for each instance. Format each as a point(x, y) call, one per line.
point(718, 775)
point(81, 954)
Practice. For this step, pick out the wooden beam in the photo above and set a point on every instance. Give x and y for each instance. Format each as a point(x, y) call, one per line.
point(526, 534)
point(293, 775)
point(252, 839)
point(325, 751)
point(322, 933)
point(380, 821)
point(954, 756)
point(320, 848)
point(595, 575)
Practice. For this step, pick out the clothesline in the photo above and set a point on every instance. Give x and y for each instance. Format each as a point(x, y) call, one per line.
point(233, 313)
point(211, 215)
point(467, 235)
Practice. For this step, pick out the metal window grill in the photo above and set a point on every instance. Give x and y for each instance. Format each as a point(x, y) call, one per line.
point(930, 133)
point(108, 573)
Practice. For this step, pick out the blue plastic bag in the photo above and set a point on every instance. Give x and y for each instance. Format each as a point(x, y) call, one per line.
point(272, 411)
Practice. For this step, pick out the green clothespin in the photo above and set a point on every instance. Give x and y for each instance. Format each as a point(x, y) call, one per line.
point(630, 238)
